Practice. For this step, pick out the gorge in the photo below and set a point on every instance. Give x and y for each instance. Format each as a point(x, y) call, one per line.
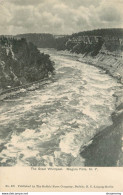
point(75, 117)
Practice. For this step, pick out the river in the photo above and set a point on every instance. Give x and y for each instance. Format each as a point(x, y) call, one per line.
point(48, 125)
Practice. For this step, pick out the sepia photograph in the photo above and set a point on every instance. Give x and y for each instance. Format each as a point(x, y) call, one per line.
point(61, 83)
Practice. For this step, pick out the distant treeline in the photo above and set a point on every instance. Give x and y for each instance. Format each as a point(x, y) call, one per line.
point(113, 32)
point(40, 40)
point(45, 40)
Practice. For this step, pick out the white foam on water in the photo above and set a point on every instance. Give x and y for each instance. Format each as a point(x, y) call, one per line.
point(26, 144)
point(68, 144)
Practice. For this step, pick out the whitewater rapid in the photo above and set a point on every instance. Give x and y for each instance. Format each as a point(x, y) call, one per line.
point(49, 125)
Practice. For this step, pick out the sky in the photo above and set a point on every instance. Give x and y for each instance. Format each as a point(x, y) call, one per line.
point(59, 16)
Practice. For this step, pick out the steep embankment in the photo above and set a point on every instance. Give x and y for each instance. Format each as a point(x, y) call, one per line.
point(109, 61)
point(21, 63)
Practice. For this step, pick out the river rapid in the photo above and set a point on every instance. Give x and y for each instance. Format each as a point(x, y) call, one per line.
point(48, 125)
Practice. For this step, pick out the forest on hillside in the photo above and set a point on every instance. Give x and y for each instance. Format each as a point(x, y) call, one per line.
point(21, 62)
point(118, 32)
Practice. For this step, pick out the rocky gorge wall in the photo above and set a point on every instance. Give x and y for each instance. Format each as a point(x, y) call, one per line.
point(21, 63)
point(105, 52)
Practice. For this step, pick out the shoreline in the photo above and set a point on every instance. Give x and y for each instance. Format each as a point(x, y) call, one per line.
point(99, 63)
point(23, 88)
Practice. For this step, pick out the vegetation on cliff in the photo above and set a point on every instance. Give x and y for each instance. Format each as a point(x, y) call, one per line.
point(44, 40)
point(40, 40)
point(21, 62)
point(84, 48)
point(82, 42)
point(101, 32)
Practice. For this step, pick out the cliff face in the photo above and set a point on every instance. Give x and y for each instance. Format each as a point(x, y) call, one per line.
point(84, 45)
point(21, 63)
point(104, 51)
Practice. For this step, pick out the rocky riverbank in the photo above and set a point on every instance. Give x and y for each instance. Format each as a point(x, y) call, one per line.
point(106, 147)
